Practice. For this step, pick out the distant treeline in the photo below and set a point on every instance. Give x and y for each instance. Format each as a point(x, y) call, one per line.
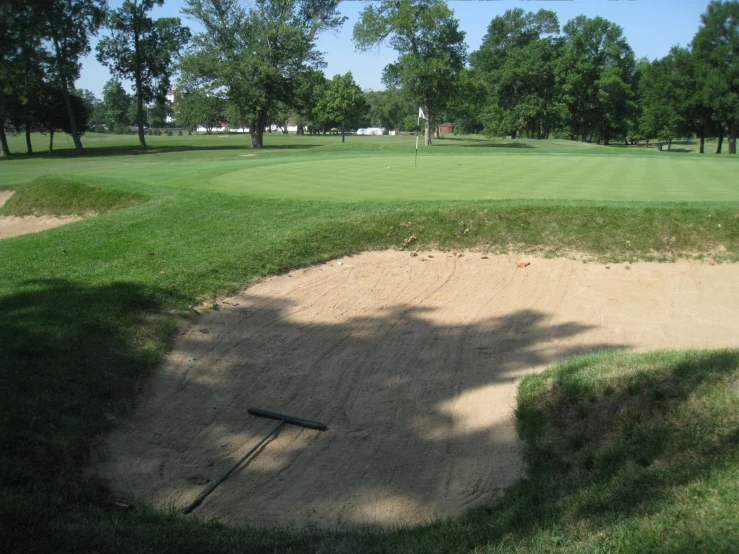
point(256, 66)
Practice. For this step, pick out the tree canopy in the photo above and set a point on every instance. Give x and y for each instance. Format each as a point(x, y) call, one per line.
point(516, 64)
point(257, 54)
point(142, 50)
point(67, 25)
point(430, 45)
point(716, 46)
point(256, 63)
point(342, 101)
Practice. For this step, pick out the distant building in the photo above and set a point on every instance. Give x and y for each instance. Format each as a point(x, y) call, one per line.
point(170, 98)
point(446, 128)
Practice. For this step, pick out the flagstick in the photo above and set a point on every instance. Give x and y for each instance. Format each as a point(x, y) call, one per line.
point(418, 125)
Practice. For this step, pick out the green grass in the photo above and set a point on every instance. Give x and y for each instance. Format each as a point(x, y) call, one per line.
point(53, 195)
point(382, 169)
point(635, 453)
point(89, 309)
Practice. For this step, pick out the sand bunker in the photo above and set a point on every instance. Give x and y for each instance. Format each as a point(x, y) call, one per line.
point(11, 226)
point(412, 362)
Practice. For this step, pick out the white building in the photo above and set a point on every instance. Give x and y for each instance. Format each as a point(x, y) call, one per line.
point(371, 131)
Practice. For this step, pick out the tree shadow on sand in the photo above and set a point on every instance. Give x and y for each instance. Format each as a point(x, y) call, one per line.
point(73, 357)
point(402, 396)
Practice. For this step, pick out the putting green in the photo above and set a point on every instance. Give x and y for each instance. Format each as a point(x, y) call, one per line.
point(465, 177)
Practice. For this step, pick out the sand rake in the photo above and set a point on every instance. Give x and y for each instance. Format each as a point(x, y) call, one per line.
point(283, 419)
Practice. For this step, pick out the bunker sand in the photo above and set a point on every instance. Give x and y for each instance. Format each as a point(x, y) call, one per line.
point(11, 226)
point(412, 362)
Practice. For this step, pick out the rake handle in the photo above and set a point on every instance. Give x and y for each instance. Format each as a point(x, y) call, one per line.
point(203, 495)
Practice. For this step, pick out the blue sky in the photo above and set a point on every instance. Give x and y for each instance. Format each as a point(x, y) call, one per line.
point(651, 27)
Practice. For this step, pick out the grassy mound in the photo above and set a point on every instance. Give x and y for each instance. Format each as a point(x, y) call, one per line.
point(633, 453)
point(54, 195)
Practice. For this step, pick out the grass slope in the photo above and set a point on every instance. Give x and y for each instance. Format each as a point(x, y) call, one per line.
point(54, 195)
point(88, 310)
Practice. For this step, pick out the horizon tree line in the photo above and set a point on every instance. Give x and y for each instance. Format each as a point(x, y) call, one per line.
point(257, 64)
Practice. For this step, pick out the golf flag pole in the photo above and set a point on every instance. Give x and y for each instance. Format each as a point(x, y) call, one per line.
point(418, 127)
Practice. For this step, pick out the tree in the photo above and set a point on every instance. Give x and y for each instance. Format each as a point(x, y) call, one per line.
point(594, 73)
point(257, 55)
point(468, 103)
point(389, 109)
point(342, 101)
point(158, 112)
point(430, 46)
point(116, 106)
point(716, 46)
point(142, 50)
point(308, 93)
point(665, 95)
point(516, 64)
point(697, 113)
point(68, 25)
point(22, 66)
point(199, 107)
point(51, 113)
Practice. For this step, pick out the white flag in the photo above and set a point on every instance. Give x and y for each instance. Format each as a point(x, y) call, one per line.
point(421, 115)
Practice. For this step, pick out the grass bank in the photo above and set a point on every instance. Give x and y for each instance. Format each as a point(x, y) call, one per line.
point(54, 195)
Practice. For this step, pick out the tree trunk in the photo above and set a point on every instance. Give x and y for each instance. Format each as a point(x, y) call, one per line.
point(65, 92)
point(140, 113)
point(720, 143)
point(257, 132)
point(29, 146)
point(51, 141)
point(702, 144)
point(138, 70)
point(732, 138)
point(427, 130)
point(72, 123)
point(436, 132)
point(4, 150)
point(343, 123)
point(669, 145)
